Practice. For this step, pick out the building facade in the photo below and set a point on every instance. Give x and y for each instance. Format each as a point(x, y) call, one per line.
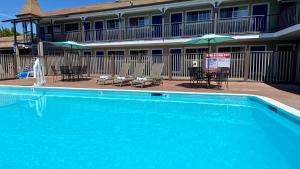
point(162, 27)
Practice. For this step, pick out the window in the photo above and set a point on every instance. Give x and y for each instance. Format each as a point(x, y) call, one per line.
point(234, 12)
point(138, 52)
point(138, 21)
point(257, 48)
point(282, 48)
point(53, 29)
point(56, 29)
point(112, 24)
point(100, 53)
point(232, 49)
point(70, 27)
point(196, 50)
point(157, 55)
point(198, 16)
point(116, 52)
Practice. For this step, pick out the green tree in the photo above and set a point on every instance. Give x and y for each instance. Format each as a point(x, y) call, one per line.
point(5, 32)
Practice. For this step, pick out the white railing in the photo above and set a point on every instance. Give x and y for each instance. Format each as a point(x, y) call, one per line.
point(249, 24)
point(7, 67)
point(257, 66)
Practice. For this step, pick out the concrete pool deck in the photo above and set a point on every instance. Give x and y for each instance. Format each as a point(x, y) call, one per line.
point(288, 94)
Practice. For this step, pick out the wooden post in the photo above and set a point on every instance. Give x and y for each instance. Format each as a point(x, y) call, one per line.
point(170, 66)
point(247, 65)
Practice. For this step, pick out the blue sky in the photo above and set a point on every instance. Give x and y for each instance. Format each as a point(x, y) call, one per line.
point(12, 7)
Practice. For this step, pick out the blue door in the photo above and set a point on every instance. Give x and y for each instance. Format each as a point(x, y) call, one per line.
point(99, 30)
point(157, 26)
point(176, 59)
point(176, 24)
point(87, 31)
point(260, 13)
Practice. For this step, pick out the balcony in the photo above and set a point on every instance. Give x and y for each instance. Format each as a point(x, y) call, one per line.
point(232, 26)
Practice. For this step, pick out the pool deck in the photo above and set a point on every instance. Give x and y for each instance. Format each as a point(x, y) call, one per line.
point(288, 94)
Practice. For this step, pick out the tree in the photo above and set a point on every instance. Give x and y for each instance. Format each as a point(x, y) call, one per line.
point(5, 32)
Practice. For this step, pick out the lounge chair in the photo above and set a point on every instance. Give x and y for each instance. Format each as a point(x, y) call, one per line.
point(154, 78)
point(122, 75)
point(138, 73)
point(24, 74)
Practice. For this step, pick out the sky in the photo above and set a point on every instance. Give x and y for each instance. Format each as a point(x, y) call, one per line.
point(12, 7)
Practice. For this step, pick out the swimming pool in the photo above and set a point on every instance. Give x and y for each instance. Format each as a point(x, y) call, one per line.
point(53, 128)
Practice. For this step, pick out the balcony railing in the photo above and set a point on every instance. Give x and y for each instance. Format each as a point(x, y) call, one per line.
point(233, 26)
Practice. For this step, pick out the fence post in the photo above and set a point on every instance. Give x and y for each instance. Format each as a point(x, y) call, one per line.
point(247, 65)
point(170, 66)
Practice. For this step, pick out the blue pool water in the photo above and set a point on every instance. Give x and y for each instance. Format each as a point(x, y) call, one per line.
point(92, 129)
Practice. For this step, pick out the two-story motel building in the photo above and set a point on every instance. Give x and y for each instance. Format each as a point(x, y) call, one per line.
point(161, 27)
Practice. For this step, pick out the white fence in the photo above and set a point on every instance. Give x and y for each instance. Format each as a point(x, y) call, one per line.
point(255, 66)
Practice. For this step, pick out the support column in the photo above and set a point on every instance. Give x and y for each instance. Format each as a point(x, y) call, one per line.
point(31, 32)
point(52, 33)
point(215, 17)
point(112, 64)
point(43, 57)
point(163, 23)
point(247, 65)
point(16, 50)
point(298, 11)
point(120, 26)
point(82, 29)
point(170, 66)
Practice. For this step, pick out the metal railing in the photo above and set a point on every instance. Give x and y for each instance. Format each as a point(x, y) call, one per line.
point(238, 25)
point(255, 66)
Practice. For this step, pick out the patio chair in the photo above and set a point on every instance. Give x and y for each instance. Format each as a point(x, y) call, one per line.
point(122, 75)
point(84, 71)
point(222, 77)
point(76, 71)
point(55, 73)
point(138, 73)
point(196, 75)
point(154, 78)
point(65, 72)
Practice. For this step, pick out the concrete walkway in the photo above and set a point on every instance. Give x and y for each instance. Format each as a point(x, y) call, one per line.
point(288, 94)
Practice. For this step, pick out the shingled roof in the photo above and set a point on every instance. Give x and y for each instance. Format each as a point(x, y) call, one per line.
point(31, 7)
point(104, 7)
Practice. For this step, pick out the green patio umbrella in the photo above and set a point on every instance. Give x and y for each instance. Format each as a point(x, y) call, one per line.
point(209, 39)
point(69, 44)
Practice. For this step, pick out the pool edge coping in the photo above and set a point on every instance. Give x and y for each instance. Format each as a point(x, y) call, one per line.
point(271, 101)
